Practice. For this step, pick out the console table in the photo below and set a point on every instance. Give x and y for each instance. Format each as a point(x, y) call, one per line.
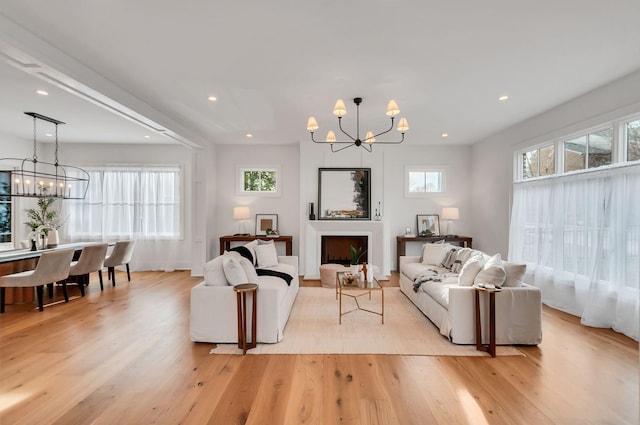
point(225, 241)
point(464, 241)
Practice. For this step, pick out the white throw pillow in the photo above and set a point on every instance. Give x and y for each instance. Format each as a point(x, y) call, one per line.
point(251, 246)
point(267, 255)
point(214, 274)
point(515, 274)
point(492, 272)
point(433, 254)
point(249, 269)
point(470, 270)
point(233, 270)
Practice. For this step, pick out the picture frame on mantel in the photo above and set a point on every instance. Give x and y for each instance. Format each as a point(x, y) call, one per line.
point(344, 194)
point(428, 224)
point(264, 222)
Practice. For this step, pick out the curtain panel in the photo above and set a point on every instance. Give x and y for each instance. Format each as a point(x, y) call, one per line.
point(139, 203)
point(580, 237)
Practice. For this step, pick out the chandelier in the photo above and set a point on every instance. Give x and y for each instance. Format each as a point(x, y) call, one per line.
point(369, 139)
point(32, 178)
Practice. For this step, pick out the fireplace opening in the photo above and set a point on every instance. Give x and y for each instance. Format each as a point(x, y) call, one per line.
point(335, 249)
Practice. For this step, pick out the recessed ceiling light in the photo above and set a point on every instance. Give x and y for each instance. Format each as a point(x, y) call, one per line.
point(146, 136)
point(503, 98)
point(444, 135)
point(248, 135)
point(48, 134)
point(212, 98)
point(42, 92)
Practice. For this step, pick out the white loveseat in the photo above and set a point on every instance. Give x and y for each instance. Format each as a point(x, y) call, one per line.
point(450, 304)
point(214, 306)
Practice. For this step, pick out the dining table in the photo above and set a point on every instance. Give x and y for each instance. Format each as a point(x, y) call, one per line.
point(20, 260)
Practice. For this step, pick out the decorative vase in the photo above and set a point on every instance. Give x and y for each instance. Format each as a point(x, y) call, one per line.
point(354, 269)
point(52, 238)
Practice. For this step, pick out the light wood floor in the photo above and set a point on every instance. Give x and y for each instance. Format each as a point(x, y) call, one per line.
point(123, 356)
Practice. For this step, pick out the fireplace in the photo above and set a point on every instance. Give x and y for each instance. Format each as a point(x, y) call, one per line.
point(336, 249)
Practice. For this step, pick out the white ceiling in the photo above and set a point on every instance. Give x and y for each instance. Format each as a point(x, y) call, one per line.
point(272, 64)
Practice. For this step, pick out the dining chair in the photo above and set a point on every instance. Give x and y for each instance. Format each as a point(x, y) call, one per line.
point(121, 255)
point(53, 266)
point(91, 260)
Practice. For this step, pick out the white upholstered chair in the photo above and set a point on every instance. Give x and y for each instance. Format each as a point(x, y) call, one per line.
point(121, 255)
point(52, 266)
point(91, 260)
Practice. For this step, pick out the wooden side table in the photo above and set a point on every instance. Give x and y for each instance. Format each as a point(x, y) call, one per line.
point(491, 348)
point(241, 291)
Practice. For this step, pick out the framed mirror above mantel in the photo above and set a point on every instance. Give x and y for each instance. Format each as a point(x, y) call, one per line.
point(344, 193)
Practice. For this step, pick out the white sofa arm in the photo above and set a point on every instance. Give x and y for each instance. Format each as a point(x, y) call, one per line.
point(518, 315)
point(406, 259)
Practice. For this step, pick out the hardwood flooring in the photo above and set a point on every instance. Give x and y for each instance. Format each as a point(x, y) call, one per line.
point(123, 356)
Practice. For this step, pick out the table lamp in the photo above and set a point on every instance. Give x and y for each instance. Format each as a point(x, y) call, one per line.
point(241, 213)
point(450, 214)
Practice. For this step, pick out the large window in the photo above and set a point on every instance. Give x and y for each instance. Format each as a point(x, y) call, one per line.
point(128, 202)
point(422, 181)
point(539, 162)
point(5, 207)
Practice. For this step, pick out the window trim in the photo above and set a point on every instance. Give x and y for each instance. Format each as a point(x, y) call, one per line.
point(240, 170)
point(426, 169)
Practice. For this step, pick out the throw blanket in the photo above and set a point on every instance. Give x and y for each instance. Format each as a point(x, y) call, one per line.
point(284, 276)
point(428, 275)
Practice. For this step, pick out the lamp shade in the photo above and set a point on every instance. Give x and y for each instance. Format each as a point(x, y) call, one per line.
point(339, 110)
point(403, 125)
point(241, 213)
point(369, 137)
point(392, 108)
point(450, 213)
point(312, 124)
point(331, 136)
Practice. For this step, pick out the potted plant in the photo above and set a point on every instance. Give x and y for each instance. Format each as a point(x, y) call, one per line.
point(44, 219)
point(356, 255)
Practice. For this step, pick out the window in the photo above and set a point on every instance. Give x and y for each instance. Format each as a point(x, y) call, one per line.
point(589, 151)
point(259, 181)
point(539, 162)
point(423, 181)
point(5, 207)
point(128, 202)
point(632, 131)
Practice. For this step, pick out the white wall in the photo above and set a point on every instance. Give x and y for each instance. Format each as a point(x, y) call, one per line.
point(228, 160)
point(492, 164)
point(387, 165)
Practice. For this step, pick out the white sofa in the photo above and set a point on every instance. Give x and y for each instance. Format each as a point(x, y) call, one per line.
point(450, 306)
point(214, 306)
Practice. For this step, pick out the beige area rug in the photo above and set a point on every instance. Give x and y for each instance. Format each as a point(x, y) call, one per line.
point(313, 329)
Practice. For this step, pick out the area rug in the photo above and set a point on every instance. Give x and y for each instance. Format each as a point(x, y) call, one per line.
point(313, 329)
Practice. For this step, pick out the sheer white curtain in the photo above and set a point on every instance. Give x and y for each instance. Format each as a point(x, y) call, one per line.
point(139, 203)
point(580, 237)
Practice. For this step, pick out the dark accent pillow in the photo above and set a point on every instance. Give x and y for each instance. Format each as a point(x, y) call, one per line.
point(244, 251)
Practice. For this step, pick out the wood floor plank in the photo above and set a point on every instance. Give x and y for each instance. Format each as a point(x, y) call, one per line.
point(123, 356)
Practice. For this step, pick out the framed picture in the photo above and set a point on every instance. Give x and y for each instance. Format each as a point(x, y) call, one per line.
point(266, 223)
point(428, 224)
point(344, 194)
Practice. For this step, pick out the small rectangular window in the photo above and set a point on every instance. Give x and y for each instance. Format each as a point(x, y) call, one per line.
point(421, 181)
point(633, 140)
point(259, 181)
point(589, 151)
point(539, 162)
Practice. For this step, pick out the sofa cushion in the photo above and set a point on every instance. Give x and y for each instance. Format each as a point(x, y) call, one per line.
point(433, 253)
point(439, 291)
point(413, 270)
point(233, 270)
point(244, 251)
point(214, 274)
point(514, 274)
point(470, 270)
point(462, 256)
point(251, 246)
point(492, 272)
point(450, 257)
point(267, 255)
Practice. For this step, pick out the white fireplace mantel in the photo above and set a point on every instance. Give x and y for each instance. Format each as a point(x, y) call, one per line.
point(376, 232)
